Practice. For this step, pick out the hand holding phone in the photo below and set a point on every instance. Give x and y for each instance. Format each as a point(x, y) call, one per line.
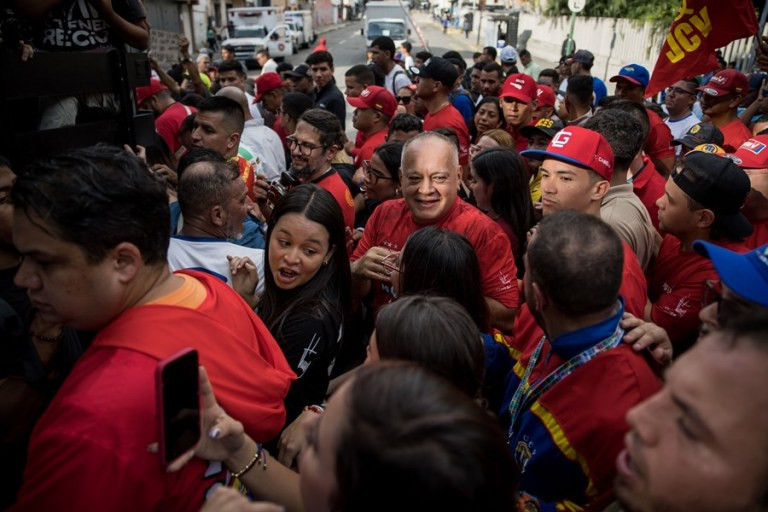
point(178, 404)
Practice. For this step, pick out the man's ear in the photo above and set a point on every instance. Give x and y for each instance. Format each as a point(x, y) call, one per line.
point(540, 300)
point(127, 261)
point(217, 216)
point(600, 189)
point(330, 153)
point(233, 141)
point(705, 218)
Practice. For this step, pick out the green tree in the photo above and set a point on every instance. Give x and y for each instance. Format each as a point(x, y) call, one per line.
point(659, 11)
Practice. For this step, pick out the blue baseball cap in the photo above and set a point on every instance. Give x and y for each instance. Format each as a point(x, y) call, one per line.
point(745, 274)
point(634, 73)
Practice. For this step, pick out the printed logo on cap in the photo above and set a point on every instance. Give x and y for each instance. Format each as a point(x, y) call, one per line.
point(710, 90)
point(560, 139)
point(695, 129)
point(753, 146)
point(603, 161)
point(629, 69)
point(516, 84)
point(718, 79)
point(378, 106)
point(365, 93)
point(544, 123)
point(735, 159)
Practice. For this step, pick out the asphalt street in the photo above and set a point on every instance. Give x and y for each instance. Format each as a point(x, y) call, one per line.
point(348, 47)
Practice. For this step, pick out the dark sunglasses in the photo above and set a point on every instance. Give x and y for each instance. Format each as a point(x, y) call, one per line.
point(404, 99)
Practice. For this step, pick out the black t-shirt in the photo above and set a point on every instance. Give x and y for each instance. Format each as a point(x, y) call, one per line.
point(76, 25)
point(331, 99)
point(309, 343)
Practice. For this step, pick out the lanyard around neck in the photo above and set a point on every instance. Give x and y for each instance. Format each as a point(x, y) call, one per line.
point(526, 394)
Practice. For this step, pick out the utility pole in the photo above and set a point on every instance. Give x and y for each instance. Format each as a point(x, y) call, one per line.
point(576, 6)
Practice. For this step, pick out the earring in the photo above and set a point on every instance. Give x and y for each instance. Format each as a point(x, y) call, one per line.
point(325, 263)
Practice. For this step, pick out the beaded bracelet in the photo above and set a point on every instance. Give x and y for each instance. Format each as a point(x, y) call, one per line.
point(257, 458)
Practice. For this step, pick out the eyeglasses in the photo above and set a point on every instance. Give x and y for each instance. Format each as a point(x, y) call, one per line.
point(678, 90)
point(727, 308)
point(404, 99)
point(305, 148)
point(373, 173)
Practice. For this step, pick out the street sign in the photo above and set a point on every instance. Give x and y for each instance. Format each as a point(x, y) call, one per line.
point(576, 5)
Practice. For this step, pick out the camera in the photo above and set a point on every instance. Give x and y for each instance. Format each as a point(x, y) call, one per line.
point(280, 186)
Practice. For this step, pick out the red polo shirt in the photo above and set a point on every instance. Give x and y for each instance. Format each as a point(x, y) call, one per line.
point(392, 223)
point(659, 142)
point(676, 283)
point(648, 185)
point(369, 146)
point(449, 117)
point(332, 182)
point(734, 135)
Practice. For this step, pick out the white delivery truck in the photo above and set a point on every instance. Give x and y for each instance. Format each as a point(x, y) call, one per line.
point(304, 25)
point(251, 29)
point(385, 18)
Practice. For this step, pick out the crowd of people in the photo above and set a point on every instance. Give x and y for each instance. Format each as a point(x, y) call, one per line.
point(470, 305)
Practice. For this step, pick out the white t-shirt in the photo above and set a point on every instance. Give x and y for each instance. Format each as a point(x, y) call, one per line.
point(394, 83)
point(265, 142)
point(254, 107)
point(210, 255)
point(680, 127)
point(269, 67)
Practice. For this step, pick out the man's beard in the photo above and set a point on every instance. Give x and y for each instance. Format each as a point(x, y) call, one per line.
point(301, 174)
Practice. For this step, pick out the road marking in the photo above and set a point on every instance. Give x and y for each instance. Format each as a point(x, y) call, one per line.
point(342, 41)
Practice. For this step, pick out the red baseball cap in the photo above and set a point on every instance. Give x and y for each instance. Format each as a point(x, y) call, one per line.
point(545, 95)
point(264, 83)
point(155, 86)
point(726, 82)
point(578, 146)
point(377, 98)
point(753, 154)
point(520, 86)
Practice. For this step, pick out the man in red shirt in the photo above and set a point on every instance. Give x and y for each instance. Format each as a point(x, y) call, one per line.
point(92, 227)
point(518, 101)
point(373, 109)
point(169, 114)
point(720, 102)
point(218, 125)
point(435, 81)
point(314, 144)
point(630, 84)
point(429, 176)
point(701, 202)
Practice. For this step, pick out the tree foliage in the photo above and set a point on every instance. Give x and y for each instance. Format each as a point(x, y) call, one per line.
point(659, 11)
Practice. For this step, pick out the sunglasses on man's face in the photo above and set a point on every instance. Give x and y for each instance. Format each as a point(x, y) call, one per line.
point(403, 99)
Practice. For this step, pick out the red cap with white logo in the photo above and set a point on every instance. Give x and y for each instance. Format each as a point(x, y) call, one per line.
point(519, 86)
point(545, 95)
point(753, 154)
point(578, 146)
point(726, 82)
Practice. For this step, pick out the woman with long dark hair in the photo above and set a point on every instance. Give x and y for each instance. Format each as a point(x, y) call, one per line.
point(488, 116)
point(441, 262)
point(500, 187)
point(306, 293)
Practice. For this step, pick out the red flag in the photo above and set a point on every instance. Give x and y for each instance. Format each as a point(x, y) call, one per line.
point(701, 26)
